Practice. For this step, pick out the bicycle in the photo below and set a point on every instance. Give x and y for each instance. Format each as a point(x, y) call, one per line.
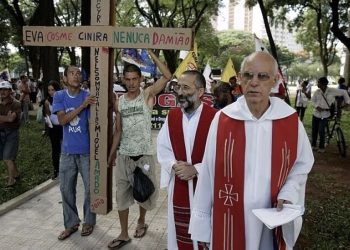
point(334, 123)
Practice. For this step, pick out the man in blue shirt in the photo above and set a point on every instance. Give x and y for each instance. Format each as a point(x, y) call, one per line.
point(72, 108)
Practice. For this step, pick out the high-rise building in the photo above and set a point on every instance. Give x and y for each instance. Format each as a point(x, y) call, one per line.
point(250, 20)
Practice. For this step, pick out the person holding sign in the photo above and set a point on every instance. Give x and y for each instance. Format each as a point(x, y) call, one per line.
point(180, 148)
point(257, 155)
point(134, 139)
point(72, 108)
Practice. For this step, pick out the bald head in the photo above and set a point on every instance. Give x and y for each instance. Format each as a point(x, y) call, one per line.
point(261, 57)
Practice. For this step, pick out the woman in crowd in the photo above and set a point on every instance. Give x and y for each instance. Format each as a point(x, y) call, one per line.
point(54, 129)
point(301, 99)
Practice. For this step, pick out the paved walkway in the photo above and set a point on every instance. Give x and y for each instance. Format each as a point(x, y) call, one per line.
point(37, 223)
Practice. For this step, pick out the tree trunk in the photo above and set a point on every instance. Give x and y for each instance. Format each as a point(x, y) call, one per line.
point(48, 55)
point(272, 43)
point(325, 67)
point(171, 59)
point(268, 30)
point(34, 58)
point(72, 56)
point(335, 24)
point(85, 20)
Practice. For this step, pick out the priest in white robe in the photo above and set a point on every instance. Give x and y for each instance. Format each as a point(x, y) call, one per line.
point(180, 149)
point(257, 155)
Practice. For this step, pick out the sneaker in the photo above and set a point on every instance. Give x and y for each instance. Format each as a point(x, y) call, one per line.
point(321, 150)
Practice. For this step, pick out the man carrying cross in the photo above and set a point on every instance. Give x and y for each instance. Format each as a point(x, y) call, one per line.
point(259, 158)
point(134, 139)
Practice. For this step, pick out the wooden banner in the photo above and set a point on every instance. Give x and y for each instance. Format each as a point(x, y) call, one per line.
point(100, 72)
point(108, 36)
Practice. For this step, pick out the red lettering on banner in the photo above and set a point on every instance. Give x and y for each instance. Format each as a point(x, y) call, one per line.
point(97, 203)
point(57, 36)
point(208, 99)
point(167, 100)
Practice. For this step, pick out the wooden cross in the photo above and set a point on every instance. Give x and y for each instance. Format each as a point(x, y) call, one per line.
point(101, 36)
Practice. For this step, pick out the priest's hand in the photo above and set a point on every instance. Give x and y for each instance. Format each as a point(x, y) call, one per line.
point(280, 203)
point(205, 245)
point(184, 170)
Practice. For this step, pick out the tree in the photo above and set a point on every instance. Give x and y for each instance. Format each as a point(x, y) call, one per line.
point(5, 27)
point(323, 22)
point(208, 43)
point(19, 17)
point(68, 14)
point(315, 26)
point(265, 14)
point(178, 13)
point(235, 45)
point(340, 20)
point(85, 20)
point(44, 16)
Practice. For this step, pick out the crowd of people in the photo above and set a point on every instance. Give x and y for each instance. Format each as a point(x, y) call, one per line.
point(214, 177)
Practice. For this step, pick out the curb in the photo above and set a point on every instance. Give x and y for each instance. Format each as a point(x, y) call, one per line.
point(19, 200)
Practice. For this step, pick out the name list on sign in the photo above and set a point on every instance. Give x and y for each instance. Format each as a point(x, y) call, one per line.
point(107, 36)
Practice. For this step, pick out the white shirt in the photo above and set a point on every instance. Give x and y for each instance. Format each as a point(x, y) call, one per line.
point(318, 100)
point(257, 175)
point(167, 159)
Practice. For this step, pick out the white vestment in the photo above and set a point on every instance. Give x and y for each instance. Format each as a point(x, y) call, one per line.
point(167, 159)
point(257, 176)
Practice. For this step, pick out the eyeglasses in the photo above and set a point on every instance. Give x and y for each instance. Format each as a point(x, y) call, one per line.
point(262, 76)
point(183, 88)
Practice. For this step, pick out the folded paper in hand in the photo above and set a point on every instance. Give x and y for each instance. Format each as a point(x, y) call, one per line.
point(273, 218)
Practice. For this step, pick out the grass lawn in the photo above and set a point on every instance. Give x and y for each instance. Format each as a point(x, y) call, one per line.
point(326, 220)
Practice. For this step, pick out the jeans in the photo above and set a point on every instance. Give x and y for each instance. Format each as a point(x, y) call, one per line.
point(70, 165)
point(318, 128)
point(301, 112)
point(25, 111)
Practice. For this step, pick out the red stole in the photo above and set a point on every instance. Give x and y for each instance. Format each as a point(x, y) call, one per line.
point(181, 202)
point(228, 210)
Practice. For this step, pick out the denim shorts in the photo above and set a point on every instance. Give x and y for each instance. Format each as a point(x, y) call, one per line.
point(9, 141)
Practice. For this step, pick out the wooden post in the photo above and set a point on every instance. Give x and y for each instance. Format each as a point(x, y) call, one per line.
point(101, 72)
point(101, 36)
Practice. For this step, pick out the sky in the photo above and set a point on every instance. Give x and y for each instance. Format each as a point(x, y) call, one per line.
point(223, 16)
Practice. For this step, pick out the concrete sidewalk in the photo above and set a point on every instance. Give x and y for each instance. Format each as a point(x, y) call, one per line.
point(36, 224)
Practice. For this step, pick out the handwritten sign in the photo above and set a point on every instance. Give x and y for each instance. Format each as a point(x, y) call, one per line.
point(109, 36)
point(100, 188)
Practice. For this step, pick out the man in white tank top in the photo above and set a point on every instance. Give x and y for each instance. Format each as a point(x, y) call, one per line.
point(133, 138)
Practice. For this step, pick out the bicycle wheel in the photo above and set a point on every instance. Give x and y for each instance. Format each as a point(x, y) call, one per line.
point(327, 134)
point(341, 142)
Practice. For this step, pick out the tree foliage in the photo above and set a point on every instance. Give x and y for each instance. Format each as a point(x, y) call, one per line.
point(175, 14)
point(325, 18)
point(235, 45)
point(68, 13)
point(313, 26)
point(43, 13)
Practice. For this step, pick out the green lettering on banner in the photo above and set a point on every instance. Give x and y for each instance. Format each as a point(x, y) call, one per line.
point(131, 37)
point(97, 177)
